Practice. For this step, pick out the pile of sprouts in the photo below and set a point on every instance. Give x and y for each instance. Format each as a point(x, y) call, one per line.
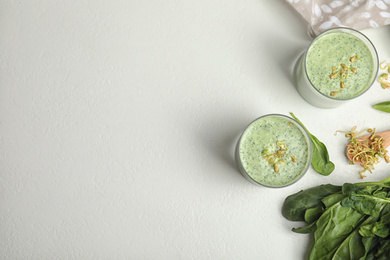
point(366, 152)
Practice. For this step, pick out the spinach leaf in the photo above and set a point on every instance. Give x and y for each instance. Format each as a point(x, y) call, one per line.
point(333, 227)
point(380, 228)
point(360, 242)
point(320, 159)
point(333, 199)
point(368, 200)
point(368, 228)
point(384, 106)
point(354, 247)
point(295, 205)
point(380, 250)
point(383, 250)
point(311, 216)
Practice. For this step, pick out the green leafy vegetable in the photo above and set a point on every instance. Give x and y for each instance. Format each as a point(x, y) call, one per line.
point(333, 227)
point(381, 228)
point(351, 221)
point(384, 106)
point(367, 200)
point(382, 252)
point(295, 205)
point(311, 215)
point(320, 159)
point(360, 245)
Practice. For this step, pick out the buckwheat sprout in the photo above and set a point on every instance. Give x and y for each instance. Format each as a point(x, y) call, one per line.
point(366, 152)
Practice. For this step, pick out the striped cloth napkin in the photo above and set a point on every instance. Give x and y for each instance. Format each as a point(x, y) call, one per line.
point(357, 14)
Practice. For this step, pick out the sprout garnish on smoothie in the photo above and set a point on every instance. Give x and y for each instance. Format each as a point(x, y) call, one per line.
point(342, 72)
point(277, 157)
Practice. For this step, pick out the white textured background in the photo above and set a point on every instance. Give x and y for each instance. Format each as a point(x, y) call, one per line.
point(118, 121)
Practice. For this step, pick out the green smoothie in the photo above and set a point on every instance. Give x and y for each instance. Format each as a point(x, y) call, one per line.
point(274, 151)
point(339, 65)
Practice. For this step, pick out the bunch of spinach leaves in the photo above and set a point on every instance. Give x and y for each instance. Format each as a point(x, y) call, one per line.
point(351, 221)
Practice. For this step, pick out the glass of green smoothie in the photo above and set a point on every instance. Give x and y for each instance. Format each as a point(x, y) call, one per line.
point(273, 151)
point(339, 65)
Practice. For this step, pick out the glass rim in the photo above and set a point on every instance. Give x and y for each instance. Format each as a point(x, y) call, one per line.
point(374, 56)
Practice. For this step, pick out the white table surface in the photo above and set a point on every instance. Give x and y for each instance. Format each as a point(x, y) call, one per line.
point(118, 121)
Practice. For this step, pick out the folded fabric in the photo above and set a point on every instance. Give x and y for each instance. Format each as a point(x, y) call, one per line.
point(357, 14)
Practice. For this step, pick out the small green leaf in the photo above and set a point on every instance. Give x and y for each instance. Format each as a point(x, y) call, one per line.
point(320, 159)
point(384, 106)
